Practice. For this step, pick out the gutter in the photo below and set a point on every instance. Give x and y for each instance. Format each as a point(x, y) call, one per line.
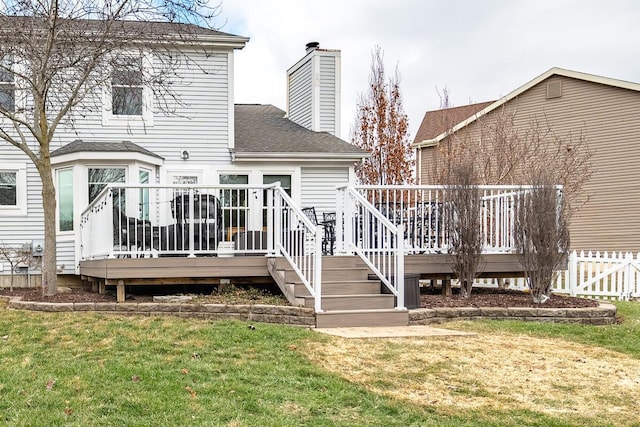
point(269, 156)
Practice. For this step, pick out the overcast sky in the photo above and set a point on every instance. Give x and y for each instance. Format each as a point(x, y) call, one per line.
point(479, 50)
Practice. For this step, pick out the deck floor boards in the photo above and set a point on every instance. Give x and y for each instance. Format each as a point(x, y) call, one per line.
point(426, 265)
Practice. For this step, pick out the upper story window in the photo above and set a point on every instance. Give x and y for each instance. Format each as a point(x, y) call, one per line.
point(128, 98)
point(127, 88)
point(7, 86)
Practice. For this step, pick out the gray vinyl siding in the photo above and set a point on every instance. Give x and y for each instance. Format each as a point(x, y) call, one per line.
point(328, 94)
point(65, 253)
point(301, 95)
point(610, 118)
point(318, 187)
point(199, 123)
point(23, 228)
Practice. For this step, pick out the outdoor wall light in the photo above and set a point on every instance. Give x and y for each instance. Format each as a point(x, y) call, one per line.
point(184, 155)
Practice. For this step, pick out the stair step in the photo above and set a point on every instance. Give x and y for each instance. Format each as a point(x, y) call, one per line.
point(342, 288)
point(341, 261)
point(333, 274)
point(354, 318)
point(354, 302)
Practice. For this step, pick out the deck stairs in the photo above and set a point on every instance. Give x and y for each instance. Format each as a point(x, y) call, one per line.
point(349, 297)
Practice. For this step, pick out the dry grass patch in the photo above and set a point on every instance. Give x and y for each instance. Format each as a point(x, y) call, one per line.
point(496, 371)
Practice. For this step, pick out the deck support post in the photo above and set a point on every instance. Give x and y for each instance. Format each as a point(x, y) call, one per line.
point(446, 286)
point(102, 287)
point(120, 291)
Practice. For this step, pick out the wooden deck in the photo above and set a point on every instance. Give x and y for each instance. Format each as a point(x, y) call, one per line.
point(122, 272)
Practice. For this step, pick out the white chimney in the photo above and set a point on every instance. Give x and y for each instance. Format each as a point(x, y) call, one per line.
point(313, 90)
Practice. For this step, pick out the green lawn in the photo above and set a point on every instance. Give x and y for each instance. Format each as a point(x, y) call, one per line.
point(99, 370)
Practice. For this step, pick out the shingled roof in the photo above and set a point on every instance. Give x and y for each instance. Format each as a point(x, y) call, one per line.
point(127, 31)
point(263, 131)
point(437, 122)
point(80, 146)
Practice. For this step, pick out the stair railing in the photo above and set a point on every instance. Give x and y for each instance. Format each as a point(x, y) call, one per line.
point(363, 230)
point(297, 239)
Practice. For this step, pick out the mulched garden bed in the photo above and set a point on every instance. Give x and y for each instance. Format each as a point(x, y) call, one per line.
point(430, 298)
point(494, 297)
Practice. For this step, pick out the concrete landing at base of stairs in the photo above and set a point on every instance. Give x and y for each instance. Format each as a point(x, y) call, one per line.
point(393, 332)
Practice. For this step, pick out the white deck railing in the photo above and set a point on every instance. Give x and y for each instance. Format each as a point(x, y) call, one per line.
point(298, 240)
point(362, 229)
point(421, 211)
point(199, 220)
point(156, 220)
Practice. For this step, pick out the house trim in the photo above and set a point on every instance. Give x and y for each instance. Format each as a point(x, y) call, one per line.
point(125, 156)
point(319, 157)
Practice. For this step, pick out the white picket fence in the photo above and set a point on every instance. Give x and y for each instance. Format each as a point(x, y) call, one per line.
point(612, 276)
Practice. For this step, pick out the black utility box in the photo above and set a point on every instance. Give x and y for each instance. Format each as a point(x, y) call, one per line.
point(411, 289)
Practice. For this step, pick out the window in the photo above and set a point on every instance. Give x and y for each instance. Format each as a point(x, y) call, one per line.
point(184, 179)
point(143, 176)
point(285, 183)
point(234, 202)
point(65, 199)
point(8, 188)
point(127, 88)
point(7, 86)
point(13, 189)
point(100, 177)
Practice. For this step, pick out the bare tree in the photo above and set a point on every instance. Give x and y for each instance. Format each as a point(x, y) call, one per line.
point(506, 150)
point(462, 212)
point(541, 234)
point(15, 256)
point(382, 129)
point(55, 53)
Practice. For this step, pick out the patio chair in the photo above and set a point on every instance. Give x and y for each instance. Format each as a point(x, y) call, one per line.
point(130, 232)
point(311, 214)
point(207, 221)
point(329, 226)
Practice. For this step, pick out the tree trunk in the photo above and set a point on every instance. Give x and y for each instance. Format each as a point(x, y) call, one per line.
point(49, 263)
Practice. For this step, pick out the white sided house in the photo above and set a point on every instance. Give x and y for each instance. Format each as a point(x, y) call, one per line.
point(207, 141)
point(208, 190)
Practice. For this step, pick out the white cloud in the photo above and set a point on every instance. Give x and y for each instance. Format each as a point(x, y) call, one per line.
point(480, 50)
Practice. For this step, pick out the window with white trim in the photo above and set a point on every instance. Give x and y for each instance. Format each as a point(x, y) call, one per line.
point(143, 178)
point(8, 188)
point(100, 177)
point(7, 86)
point(13, 189)
point(128, 97)
point(127, 87)
point(65, 199)
point(234, 201)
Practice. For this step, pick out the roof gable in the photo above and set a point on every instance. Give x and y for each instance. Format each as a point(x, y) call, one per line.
point(515, 93)
point(438, 121)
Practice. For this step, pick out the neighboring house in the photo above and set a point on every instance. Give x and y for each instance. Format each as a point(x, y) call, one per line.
point(605, 110)
point(208, 140)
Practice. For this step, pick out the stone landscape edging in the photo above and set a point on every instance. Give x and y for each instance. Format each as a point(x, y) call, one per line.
point(286, 315)
point(604, 314)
